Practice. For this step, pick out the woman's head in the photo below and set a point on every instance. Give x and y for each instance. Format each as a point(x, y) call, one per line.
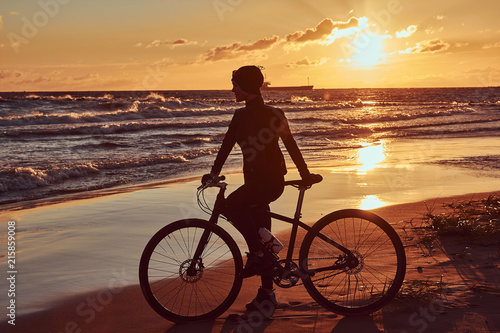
point(249, 79)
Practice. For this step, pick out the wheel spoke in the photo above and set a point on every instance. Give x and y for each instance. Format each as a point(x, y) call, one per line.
point(180, 288)
point(380, 262)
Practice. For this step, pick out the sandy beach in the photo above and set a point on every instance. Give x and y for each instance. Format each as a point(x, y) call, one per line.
point(112, 111)
point(77, 262)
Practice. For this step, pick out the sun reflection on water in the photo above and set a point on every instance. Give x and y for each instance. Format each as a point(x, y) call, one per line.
point(371, 202)
point(370, 156)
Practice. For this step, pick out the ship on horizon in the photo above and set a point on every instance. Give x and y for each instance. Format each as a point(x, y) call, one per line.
point(267, 86)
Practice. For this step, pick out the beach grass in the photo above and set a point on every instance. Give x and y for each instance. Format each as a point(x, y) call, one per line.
point(421, 290)
point(470, 221)
point(472, 218)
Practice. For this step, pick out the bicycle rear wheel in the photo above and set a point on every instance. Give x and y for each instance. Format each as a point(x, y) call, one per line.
point(366, 286)
point(180, 293)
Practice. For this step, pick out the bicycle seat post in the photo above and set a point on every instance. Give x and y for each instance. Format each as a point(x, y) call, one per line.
point(300, 200)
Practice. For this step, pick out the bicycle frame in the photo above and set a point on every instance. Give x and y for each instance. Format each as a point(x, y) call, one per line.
point(296, 223)
point(359, 277)
point(219, 208)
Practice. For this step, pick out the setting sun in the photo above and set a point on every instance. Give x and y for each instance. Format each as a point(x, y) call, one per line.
point(367, 50)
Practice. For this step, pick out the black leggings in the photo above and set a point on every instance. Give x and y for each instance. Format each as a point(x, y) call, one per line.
point(246, 210)
point(247, 206)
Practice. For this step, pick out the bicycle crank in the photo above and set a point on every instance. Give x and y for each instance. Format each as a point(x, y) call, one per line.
point(288, 275)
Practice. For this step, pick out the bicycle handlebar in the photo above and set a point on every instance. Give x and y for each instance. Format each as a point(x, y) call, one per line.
point(209, 180)
point(212, 181)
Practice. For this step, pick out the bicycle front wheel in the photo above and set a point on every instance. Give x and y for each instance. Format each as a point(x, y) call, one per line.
point(180, 289)
point(375, 276)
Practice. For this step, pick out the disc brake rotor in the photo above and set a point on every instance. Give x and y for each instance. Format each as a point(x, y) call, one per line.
point(359, 267)
point(191, 274)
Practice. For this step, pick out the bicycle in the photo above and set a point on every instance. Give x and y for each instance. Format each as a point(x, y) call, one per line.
point(351, 262)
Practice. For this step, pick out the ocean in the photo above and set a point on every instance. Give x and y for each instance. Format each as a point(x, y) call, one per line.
point(57, 143)
point(374, 147)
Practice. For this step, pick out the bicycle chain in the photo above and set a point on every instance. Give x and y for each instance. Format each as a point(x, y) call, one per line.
point(317, 258)
point(323, 278)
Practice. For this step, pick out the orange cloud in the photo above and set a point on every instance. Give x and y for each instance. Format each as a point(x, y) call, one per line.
point(171, 43)
point(325, 32)
point(406, 32)
point(306, 62)
point(491, 45)
point(237, 49)
point(428, 46)
point(9, 74)
point(321, 31)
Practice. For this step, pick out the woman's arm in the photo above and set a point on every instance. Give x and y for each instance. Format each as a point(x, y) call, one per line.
point(227, 145)
point(291, 145)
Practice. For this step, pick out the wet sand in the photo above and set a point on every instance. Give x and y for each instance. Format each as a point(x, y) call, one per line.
point(78, 264)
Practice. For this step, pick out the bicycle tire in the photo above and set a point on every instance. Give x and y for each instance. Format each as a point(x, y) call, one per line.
point(168, 287)
point(381, 265)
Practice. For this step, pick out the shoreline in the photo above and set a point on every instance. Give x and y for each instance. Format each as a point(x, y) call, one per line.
point(120, 307)
point(76, 245)
point(397, 158)
point(98, 193)
point(92, 194)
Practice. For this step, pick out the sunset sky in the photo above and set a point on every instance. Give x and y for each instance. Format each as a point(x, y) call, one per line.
point(168, 45)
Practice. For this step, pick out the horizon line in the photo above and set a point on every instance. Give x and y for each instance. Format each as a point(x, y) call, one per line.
point(153, 90)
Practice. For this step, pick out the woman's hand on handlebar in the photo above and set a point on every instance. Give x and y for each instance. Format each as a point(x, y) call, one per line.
point(312, 178)
point(211, 178)
point(207, 178)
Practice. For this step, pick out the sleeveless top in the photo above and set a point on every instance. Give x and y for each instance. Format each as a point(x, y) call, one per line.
point(257, 129)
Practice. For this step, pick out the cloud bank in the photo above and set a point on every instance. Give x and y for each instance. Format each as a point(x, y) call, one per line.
point(237, 49)
point(325, 32)
point(428, 46)
point(321, 31)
